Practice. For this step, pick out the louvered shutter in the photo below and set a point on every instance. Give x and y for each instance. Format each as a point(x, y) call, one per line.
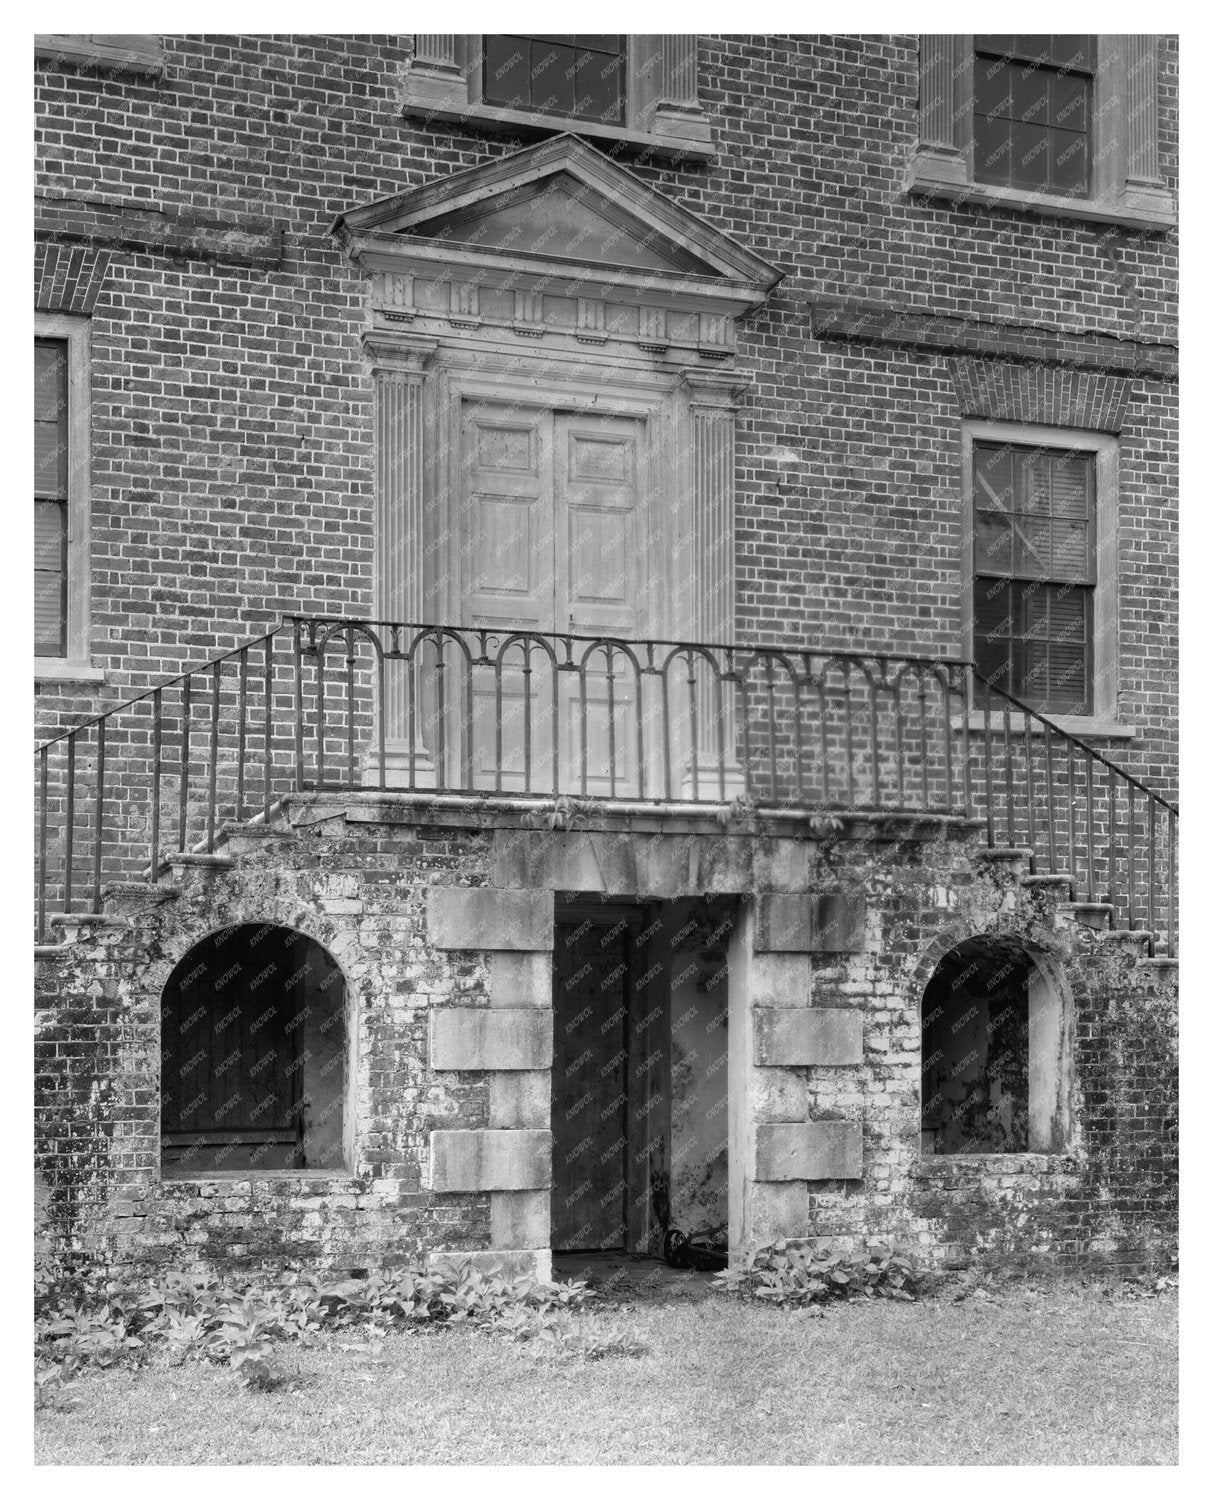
point(50, 497)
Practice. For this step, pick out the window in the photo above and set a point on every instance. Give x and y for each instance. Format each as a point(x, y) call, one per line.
point(1060, 125)
point(1034, 573)
point(582, 77)
point(1040, 570)
point(996, 1045)
point(626, 91)
point(50, 497)
point(61, 498)
point(1032, 104)
point(253, 1068)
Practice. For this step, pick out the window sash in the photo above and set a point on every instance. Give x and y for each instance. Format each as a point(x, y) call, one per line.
point(1034, 574)
point(578, 77)
point(1032, 115)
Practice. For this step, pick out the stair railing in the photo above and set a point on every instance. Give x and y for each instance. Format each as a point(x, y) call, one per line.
point(160, 773)
point(1077, 812)
point(673, 722)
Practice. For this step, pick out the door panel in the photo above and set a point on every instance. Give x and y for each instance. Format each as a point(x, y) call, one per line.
point(600, 565)
point(551, 513)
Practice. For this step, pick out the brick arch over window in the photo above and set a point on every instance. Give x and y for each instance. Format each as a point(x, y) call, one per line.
point(997, 1041)
point(1048, 395)
point(254, 1056)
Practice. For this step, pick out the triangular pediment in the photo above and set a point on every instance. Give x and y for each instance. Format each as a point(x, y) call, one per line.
point(559, 216)
point(557, 207)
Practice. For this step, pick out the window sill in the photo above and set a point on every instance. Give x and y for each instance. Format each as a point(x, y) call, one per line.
point(1081, 726)
point(693, 142)
point(133, 56)
point(67, 669)
point(1151, 209)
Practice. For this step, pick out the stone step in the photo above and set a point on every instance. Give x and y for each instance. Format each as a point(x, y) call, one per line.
point(1094, 914)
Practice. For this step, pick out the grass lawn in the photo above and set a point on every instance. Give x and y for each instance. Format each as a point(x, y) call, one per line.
point(1057, 1376)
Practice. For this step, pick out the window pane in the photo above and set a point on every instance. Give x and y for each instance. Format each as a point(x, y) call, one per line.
point(991, 87)
point(1068, 101)
point(507, 74)
point(50, 578)
point(1029, 94)
point(992, 543)
point(991, 150)
point(50, 417)
point(994, 472)
point(1029, 156)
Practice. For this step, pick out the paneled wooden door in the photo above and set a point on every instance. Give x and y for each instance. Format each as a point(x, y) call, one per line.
point(552, 541)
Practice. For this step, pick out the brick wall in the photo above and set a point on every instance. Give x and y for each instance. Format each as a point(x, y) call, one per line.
point(359, 885)
point(233, 463)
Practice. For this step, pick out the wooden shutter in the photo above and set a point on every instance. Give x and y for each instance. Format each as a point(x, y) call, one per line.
point(50, 497)
point(230, 1041)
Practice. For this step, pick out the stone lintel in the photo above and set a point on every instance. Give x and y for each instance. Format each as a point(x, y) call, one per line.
point(476, 1161)
point(510, 1040)
point(480, 918)
point(814, 1151)
point(807, 1036)
point(831, 922)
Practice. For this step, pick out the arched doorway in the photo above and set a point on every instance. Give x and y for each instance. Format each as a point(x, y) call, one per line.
point(253, 1056)
point(995, 1052)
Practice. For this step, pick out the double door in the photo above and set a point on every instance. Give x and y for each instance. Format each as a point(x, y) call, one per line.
point(552, 523)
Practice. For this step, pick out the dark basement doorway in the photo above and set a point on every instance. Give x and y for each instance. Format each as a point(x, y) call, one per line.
point(639, 1084)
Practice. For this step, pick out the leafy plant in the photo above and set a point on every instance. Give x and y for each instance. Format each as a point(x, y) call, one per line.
point(90, 1316)
point(798, 1275)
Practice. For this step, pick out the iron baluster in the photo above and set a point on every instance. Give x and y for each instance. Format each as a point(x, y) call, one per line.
point(1070, 800)
point(874, 735)
point(1008, 770)
point(241, 711)
point(1090, 828)
point(183, 788)
point(849, 732)
point(269, 718)
point(989, 770)
point(1049, 797)
point(349, 705)
point(157, 732)
point(1151, 869)
point(70, 831)
point(44, 756)
point(923, 744)
point(99, 835)
point(213, 774)
point(1029, 793)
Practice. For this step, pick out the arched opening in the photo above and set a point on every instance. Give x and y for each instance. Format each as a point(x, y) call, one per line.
point(995, 1053)
point(253, 1056)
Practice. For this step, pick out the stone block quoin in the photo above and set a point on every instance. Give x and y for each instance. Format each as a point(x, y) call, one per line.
point(807, 1036)
point(813, 1151)
point(504, 1040)
point(474, 1161)
point(828, 923)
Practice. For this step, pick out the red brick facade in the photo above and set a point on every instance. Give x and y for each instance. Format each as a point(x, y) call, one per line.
point(186, 208)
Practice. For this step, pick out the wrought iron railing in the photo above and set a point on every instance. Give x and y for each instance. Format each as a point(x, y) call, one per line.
point(450, 711)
